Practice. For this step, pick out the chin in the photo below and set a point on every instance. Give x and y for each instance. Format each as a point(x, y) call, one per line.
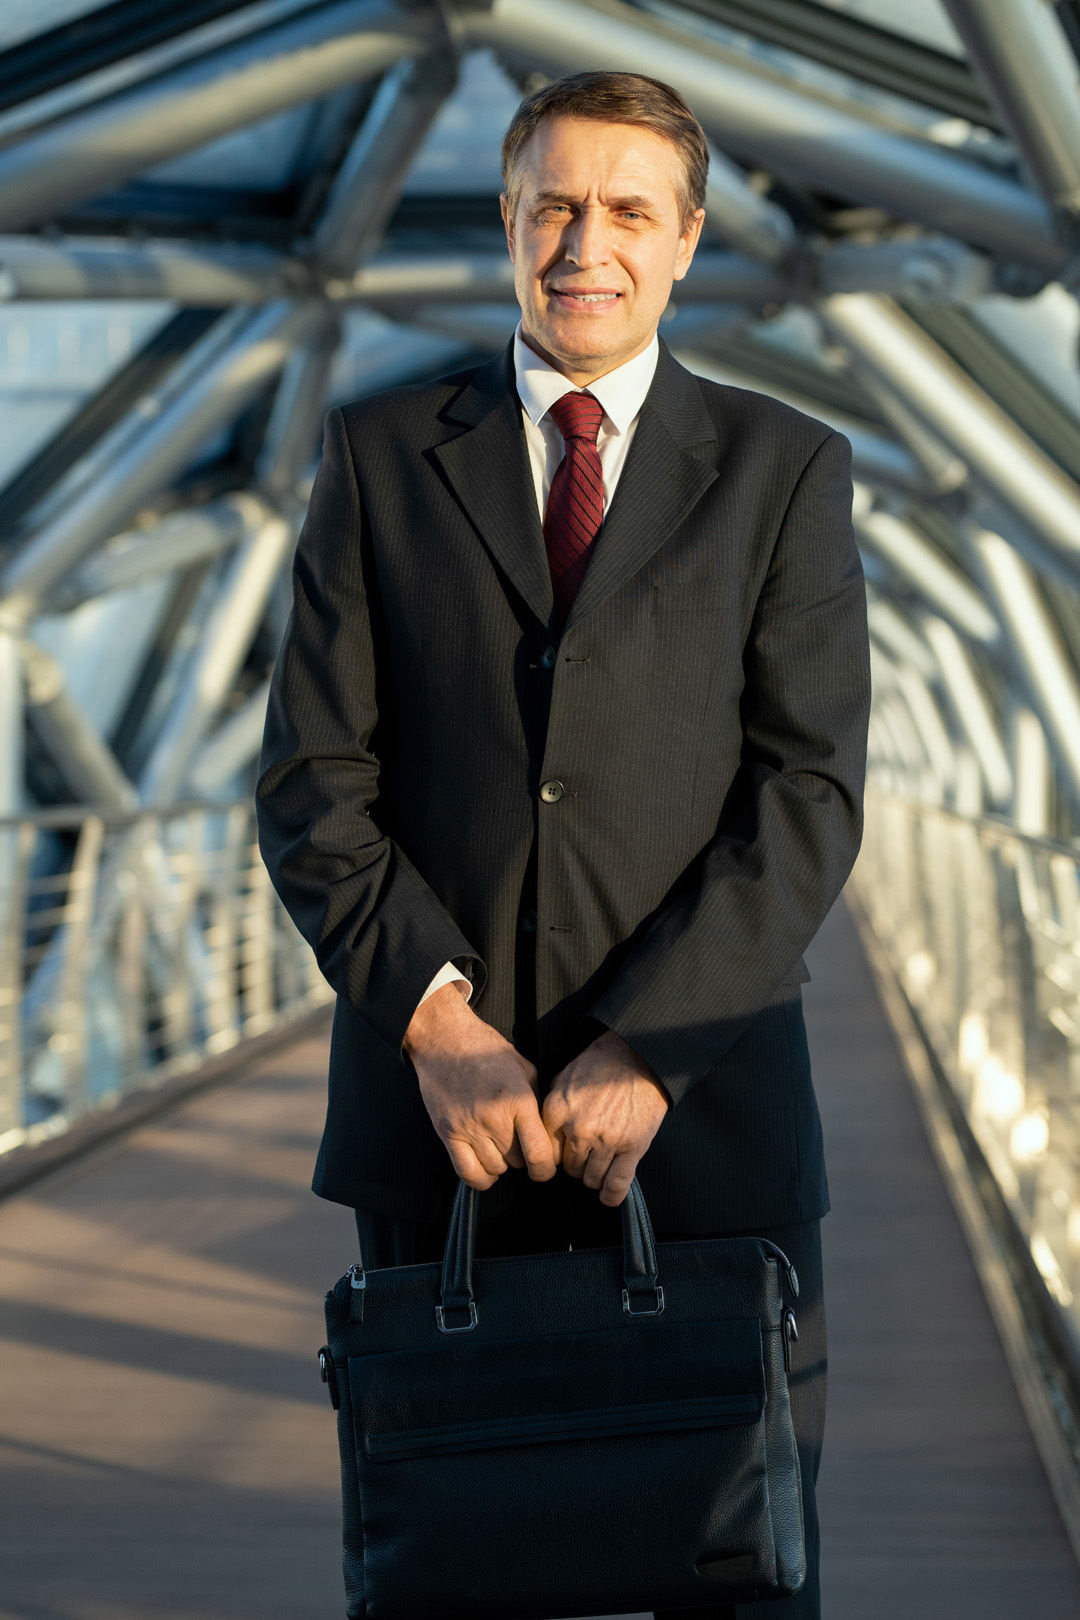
point(586, 342)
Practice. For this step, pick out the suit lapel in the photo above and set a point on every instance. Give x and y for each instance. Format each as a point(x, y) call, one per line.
point(660, 484)
point(488, 468)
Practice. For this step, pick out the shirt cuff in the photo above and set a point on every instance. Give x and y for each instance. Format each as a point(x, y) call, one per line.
point(447, 974)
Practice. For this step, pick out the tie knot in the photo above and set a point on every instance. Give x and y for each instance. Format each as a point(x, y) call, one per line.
point(578, 416)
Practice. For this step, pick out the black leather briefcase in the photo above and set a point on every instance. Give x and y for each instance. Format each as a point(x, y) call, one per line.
point(590, 1432)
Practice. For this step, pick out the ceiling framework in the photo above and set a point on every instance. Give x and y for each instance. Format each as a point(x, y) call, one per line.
point(847, 214)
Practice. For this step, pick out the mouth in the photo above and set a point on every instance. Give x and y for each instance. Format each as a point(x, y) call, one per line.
point(591, 298)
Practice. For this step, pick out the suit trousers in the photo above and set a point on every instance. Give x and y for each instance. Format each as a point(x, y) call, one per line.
point(539, 1217)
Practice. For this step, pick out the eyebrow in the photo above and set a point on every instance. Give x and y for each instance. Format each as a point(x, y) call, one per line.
point(574, 202)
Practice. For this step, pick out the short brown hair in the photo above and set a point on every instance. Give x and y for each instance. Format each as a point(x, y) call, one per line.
point(612, 98)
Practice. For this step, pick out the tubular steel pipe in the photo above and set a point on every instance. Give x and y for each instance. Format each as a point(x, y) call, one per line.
point(394, 279)
point(874, 457)
point(921, 565)
point(369, 181)
point(181, 539)
point(1022, 55)
point(762, 120)
point(1050, 671)
point(153, 443)
point(1000, 453)
point(224, 643)
point(37, 267)
point(972, 708)
point(104, 144)
point(741, 216)
point(84, 759)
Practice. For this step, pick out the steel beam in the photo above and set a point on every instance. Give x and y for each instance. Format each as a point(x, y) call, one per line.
point(998, 452)
point(291, 441)
point(972, 708)
point(153, 443)
point(392, 280)
point(875, 458)
point(743, 218)
point(81, 754)
point(181, 539)
point(224, 642)
point(1049, 669)
point(42, 268)
point(931, 268)
point(749, 111)
point(1020, 51)
point(921, 565)
point(102, 145)
point(367, 185)
point(232, 747)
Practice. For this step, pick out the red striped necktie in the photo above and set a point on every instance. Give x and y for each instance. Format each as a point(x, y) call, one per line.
point(575, 506)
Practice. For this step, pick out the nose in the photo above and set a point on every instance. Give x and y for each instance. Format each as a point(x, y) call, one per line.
point(586, 243)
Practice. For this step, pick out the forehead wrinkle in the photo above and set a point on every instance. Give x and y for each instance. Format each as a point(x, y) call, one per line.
point(637, 201)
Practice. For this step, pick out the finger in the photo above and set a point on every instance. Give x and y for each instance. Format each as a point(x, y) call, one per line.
point(535, 1145)
point(468, 1166)
point(575, 1156)
point(514, 1156)
point(621, 1172)
point(554, 1111)
point(489, 1153)
point(600, 1161)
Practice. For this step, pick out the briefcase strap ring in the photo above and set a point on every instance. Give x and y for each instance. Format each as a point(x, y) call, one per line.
point(466, 1327)
point(632, 1310)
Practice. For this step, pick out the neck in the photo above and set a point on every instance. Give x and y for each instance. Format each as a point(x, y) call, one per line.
point(582, 370)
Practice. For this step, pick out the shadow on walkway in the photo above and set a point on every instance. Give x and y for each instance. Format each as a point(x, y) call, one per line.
point(167, 1453)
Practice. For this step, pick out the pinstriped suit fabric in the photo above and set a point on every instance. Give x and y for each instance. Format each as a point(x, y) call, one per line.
point(705, 712)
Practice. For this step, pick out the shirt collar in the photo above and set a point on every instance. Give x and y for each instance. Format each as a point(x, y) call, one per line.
point(621, 392)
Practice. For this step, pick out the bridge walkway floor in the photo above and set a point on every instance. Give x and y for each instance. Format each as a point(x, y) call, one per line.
point(167, 1453)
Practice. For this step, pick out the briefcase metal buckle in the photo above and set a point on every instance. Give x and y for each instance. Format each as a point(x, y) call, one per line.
point(630, 1311)
point(466, 1327)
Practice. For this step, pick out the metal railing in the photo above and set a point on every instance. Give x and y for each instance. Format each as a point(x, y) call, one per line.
point(134, 946)
point(981, 925)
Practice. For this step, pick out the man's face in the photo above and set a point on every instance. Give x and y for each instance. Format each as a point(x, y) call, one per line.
point(597, 237)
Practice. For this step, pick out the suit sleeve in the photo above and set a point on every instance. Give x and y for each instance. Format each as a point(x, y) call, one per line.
point(734, 927)
point(378, 931)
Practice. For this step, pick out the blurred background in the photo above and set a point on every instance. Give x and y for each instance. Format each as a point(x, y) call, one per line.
point(219, 218)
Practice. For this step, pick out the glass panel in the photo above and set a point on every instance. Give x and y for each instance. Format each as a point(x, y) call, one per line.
point(53, 357)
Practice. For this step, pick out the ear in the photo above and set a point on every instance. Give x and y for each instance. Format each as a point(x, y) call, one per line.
point(688, 241)
point(508, 223)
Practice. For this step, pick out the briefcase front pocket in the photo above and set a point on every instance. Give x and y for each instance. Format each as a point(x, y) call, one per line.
point(566, 1480)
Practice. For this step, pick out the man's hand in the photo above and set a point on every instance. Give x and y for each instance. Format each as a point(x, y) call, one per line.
point(480, 1092)
point(604, 1110)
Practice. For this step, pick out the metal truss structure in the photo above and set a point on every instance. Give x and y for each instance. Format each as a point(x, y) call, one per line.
point(892, 244)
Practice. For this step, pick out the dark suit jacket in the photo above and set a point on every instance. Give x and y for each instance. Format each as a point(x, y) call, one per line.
point(704, 711)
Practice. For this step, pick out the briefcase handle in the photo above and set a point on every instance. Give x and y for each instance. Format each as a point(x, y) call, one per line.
point(642, 1294)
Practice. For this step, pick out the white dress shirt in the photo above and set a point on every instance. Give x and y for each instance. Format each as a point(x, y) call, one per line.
point(622, 393)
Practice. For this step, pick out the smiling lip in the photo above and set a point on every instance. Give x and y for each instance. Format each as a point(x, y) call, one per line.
point(587, 297)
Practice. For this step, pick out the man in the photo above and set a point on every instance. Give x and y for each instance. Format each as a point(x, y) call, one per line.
point(564, 751)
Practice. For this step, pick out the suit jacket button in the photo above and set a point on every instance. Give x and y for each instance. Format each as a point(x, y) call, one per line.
point(548, 657)
point(528, 922)
point(551, 792)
